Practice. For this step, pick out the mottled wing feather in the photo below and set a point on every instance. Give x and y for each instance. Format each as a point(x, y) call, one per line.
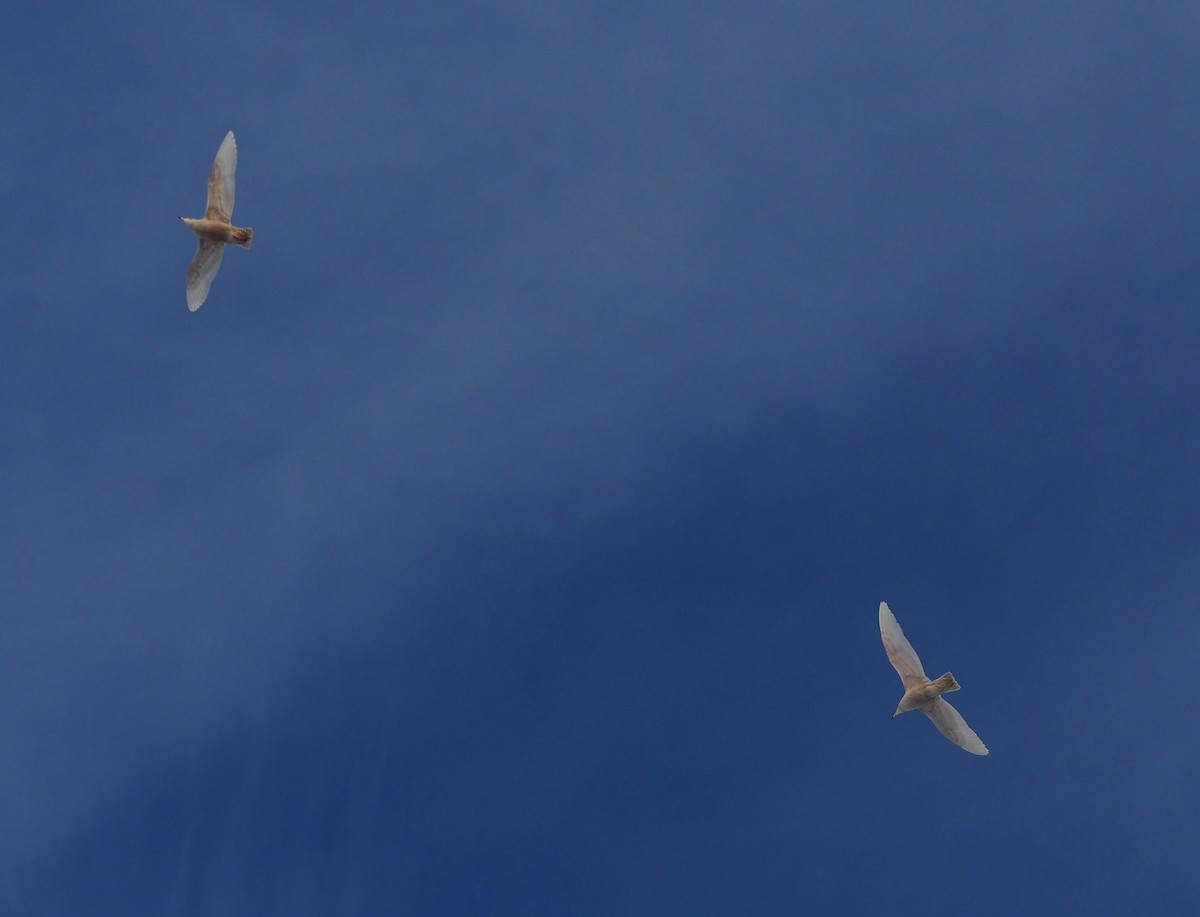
point(220, 181)
point(202, 271)
point(951, 724)
point(900, 652)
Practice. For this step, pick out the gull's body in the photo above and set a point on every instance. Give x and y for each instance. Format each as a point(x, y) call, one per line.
point(214, 228)
point(919, 692)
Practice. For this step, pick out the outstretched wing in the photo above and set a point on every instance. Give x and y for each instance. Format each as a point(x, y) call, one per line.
point(220, 181)
point(951, 724)
point(202, 271)
point(900, 652)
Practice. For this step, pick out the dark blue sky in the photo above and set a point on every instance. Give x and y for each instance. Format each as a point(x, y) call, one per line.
point(506, 533)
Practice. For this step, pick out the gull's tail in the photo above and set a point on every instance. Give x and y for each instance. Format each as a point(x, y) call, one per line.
point(946, 684)
point(242, 236)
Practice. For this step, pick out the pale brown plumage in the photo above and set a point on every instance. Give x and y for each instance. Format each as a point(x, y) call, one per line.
point(919, 692)
point(214, 228)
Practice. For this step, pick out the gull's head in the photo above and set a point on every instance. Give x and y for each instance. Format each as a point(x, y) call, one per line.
point(902, 707)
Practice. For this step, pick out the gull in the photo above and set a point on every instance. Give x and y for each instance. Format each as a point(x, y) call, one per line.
point(214, 228)
point(919, 692)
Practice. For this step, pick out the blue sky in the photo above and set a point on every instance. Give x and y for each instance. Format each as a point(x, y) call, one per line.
point(507, 531)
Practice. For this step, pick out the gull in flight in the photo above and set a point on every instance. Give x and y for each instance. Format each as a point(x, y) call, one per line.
point(919, 692)
point(214, 228)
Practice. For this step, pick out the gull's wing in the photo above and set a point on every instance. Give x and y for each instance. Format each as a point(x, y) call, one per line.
point(951, 724)
point(900, 652)
point(220, 181)
point(202, 271)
